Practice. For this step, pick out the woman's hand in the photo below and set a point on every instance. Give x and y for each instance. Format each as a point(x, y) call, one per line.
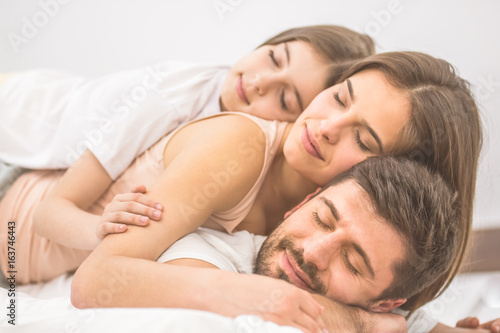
point(472, 322)
point(134, 208)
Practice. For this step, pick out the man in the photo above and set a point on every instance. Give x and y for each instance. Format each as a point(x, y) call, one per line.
point(373, 238)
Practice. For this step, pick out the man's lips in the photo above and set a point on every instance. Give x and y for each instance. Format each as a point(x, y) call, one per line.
point(240, 90)
point(310, 144)
point(294, 273)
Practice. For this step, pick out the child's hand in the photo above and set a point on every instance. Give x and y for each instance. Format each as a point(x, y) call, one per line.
point(133, 208)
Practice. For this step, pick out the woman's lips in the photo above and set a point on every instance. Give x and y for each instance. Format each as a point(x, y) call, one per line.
point(240, 90)
point(292, 271)
point(310, 144)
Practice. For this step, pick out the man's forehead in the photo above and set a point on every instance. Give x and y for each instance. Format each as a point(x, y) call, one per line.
point(349, 199)
point(345, 189)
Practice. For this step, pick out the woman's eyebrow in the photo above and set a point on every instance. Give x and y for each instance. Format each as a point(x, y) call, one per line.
point(364, 122)
point(295, 91)
point(374, 135)
point(351, 91)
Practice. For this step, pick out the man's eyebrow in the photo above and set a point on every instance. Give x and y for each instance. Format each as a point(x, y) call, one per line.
point(356, 246)
point(374, 135)
point(332, 208)
point(295, 91)
point(366, 259)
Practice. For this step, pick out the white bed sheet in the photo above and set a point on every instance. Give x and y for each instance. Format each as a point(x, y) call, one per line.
point(47, 308)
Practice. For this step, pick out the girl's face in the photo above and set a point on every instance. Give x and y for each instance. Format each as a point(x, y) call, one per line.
point(345, 124)
point(275, 81)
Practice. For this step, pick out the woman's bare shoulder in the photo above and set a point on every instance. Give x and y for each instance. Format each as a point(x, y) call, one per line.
point(223, 133)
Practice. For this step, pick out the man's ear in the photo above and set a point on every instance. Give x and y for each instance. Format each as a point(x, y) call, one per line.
point(302, 203)
point(387, 305)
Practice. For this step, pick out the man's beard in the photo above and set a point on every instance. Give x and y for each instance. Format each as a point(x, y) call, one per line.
point(272, 245)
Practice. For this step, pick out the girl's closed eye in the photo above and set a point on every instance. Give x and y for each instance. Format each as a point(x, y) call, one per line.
point(282, 101)
point(337, 98)
point(273, 58)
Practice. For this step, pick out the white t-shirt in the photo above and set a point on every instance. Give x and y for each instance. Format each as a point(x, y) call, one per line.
point(237, 253)
point(49, 118)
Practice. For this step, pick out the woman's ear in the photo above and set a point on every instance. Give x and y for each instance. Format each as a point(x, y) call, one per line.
point(387, 305)
point(303, 202)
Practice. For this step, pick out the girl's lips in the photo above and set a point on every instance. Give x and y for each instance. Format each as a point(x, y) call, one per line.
point(240, 90)
point(310, 144)
point(292, 271)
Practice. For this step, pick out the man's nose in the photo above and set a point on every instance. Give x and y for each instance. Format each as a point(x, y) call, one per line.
point(334, 127)
point(320, 251)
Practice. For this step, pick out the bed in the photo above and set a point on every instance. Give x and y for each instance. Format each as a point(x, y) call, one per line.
point(46, 307)
point(78, 37)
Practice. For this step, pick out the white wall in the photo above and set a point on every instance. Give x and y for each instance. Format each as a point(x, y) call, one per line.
point(94, 37)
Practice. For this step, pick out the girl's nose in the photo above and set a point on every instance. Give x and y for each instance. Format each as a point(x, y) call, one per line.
point(263, 82)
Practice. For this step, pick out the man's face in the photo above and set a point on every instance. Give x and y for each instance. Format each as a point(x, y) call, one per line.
point(334, 245)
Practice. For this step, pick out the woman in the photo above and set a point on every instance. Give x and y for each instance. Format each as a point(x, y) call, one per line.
point(120, 115)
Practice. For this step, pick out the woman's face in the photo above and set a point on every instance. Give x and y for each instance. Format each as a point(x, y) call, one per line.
point(345, 124)
point(275, 81)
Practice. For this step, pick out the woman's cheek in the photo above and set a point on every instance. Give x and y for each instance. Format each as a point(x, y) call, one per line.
point(351, 160)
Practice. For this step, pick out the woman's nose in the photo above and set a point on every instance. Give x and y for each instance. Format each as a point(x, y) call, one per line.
point(333, 128)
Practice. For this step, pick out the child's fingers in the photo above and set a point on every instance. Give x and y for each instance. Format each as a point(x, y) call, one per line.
point(139, 198)
point(134, 208)
point(107, 228)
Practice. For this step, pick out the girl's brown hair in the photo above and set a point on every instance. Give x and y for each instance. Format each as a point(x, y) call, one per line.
point(444, 133)
point(338, 46)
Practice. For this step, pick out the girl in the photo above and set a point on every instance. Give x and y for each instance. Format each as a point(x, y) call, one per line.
point(117, 117)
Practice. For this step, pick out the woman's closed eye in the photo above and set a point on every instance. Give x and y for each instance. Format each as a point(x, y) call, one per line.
point(360, 143)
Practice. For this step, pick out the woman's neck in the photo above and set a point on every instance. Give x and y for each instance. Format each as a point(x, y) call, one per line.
point(284, 182)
